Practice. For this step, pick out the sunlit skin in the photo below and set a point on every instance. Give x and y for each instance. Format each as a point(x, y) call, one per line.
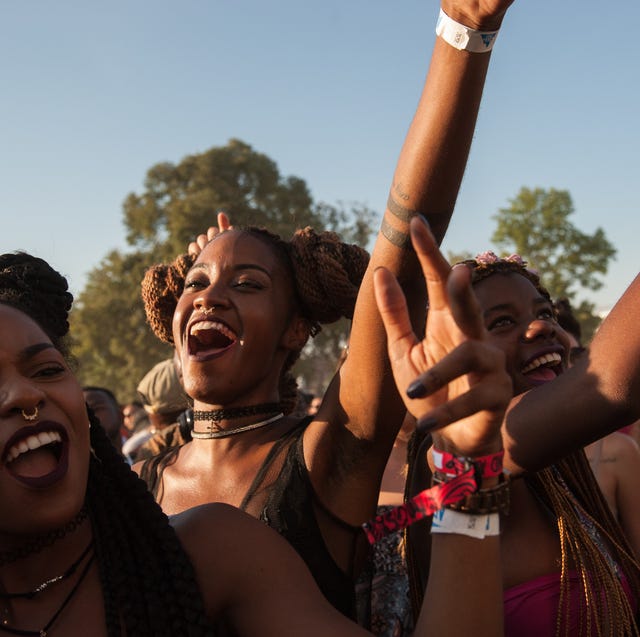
point(33, 372)
point(520, 321)
point(246, 293)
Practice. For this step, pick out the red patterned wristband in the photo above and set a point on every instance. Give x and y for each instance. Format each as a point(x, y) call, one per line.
point(489, 466)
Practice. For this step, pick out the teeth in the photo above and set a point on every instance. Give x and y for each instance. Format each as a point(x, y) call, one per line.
point(202, 326)
point(33, 442)
point(547, 359)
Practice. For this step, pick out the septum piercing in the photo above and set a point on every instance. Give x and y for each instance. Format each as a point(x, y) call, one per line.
point(30, 417)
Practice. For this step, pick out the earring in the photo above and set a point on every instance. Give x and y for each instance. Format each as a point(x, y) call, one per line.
point(32, 416)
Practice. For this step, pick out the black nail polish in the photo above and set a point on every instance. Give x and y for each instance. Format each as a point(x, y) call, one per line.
point(416, 390)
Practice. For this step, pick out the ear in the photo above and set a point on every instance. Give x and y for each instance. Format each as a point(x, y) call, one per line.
point(297, 334)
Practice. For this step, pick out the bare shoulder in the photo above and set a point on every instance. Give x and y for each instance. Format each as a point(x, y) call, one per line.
point(621, 446)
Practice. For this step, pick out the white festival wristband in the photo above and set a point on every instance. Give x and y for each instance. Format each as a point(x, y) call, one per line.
point(463, 38)
point(478, 526)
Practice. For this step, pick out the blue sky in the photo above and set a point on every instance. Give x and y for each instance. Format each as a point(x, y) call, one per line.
point(93, 94)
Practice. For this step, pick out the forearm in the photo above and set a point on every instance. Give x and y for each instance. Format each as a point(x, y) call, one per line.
point(464, 593)
point(426, 181)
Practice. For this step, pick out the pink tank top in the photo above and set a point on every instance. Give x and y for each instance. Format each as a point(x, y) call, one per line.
point(531, 608)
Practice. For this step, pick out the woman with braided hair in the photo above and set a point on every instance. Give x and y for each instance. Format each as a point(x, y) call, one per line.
point(85, 550)
point(242, 310)
point(567, 566)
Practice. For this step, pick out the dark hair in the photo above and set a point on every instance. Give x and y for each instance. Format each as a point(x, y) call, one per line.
point(326, 274)
point(32, 286)
point(487, 264)
point(148, 582)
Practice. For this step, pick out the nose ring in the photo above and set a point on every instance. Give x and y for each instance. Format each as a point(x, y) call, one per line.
point(32, 416)
point(208, 310)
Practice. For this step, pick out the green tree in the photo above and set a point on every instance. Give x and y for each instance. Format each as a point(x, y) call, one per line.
point(537, 225)
point(113, 344)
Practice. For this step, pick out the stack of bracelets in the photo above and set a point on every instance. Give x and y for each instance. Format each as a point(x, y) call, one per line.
point(455, 500)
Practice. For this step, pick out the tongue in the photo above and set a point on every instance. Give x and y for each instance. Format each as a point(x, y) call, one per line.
point(34, 464)
point(541, 375)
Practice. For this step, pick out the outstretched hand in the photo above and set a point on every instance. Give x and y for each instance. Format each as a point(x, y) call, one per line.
point(196, 247)
point(452, 381)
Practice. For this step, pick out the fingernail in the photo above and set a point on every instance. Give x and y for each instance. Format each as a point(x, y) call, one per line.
point(426, 424)
point(423, 219)
point(416, 390)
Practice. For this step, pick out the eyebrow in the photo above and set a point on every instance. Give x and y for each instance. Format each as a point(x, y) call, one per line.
point(33, 350)
point(540, 300)
point(238, 267)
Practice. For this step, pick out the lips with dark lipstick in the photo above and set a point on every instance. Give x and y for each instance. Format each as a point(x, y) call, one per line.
point(37, 456)
point(210, 337)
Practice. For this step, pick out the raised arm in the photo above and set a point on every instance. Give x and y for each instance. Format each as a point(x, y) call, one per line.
point(426, 181)
point(457, 387)
point(597, 396)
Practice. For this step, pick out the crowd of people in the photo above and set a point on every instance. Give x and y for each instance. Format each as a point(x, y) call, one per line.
point(439, 485)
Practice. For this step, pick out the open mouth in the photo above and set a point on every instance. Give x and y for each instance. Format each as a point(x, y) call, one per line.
point(543, 368)
point(37, 459)
point(209, 338)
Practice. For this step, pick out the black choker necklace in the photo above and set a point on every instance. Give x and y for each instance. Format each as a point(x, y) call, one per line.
point(216, 415)
point(50, 582)
point(40, 541)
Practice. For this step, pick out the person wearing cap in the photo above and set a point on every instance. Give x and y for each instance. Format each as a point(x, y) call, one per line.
point(163, 398)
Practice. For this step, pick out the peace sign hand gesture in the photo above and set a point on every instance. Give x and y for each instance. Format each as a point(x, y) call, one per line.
point(453, 381)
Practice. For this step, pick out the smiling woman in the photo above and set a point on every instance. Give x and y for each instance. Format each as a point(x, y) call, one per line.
point(567, 567)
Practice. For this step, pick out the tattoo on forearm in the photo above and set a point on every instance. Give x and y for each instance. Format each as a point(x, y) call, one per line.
point(396, 209)
point(396, 237)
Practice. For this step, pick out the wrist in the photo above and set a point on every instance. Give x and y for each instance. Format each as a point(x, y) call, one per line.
point(463, 37)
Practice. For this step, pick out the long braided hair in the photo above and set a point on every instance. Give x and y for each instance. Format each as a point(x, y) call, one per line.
point(326, 275)
point(148, 583)
point(590, 537)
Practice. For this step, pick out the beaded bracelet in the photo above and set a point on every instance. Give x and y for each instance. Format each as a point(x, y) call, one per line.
point(481, 501)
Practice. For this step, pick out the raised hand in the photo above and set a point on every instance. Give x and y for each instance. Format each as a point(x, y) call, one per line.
point(452, 375)
point(195, 247)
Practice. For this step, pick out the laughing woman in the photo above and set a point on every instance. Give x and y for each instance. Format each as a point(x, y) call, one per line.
point(240, 315)
point(567, 567)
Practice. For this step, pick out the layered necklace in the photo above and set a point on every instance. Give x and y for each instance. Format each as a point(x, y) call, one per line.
point(215, 416)
point(31, 594)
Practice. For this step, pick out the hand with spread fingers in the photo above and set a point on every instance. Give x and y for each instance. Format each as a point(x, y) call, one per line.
point(452, 375)
point(196, 247)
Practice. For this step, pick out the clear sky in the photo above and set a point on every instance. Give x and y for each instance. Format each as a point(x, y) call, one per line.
point(93, 94)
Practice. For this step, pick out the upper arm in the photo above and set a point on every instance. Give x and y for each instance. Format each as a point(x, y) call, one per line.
point(628, 488)
point(252, 580)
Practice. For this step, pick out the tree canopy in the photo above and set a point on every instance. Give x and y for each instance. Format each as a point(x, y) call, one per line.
point(113, 344)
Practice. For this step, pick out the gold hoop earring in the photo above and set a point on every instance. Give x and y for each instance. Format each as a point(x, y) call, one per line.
point(30, 417)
